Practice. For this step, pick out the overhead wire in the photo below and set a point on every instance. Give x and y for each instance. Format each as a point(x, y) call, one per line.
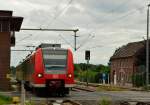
point(128, 14)
point(57, 15)
point(66, 41)
point(124, 16)
point(85, 41)
point(60, 13)
point(24, 38)
point(92, 47)
point(46, 20)
point(120, 5)
point(40, 25)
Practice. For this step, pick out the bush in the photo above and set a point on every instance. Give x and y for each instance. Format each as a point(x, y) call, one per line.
point(90, 75)
point(5, 100)
point(138, 80)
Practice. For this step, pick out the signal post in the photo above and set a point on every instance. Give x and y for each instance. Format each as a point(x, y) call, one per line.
point(87, 57)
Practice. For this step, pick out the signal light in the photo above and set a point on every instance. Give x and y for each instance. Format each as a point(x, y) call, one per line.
point(87, 55)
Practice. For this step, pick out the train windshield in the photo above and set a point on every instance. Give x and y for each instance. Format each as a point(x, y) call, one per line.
point(55, 60)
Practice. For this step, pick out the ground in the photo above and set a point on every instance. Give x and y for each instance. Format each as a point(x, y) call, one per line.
point(94, 97)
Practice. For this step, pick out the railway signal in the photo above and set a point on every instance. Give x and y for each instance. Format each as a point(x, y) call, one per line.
point(87, 57)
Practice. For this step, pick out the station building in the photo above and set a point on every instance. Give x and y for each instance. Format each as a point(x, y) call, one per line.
point(128, 65)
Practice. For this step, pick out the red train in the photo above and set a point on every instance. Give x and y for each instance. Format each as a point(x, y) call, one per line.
point(49, 69)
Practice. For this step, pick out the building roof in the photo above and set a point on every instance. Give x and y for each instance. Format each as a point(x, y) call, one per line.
point(5, 13)
point(128, 50)
point(7, 20)
point(15, 22)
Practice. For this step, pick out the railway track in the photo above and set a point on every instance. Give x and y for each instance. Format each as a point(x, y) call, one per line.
point(86, 89)
point(70, 102)
point(56, 102)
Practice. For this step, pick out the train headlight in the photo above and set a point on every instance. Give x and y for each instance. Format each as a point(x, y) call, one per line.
point(69, 75)
point(40, 75)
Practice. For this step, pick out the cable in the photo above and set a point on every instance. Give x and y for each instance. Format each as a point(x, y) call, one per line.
point(56, 16)
point(61, 12)
point(128, 14)
point(85, 41)
point(66, 41)
point(89, 48)
point(24, 38)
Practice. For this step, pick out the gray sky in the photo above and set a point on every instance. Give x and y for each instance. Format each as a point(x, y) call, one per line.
point(104, 25)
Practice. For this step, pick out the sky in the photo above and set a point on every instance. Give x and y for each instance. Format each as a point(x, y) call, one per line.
point(104, 25)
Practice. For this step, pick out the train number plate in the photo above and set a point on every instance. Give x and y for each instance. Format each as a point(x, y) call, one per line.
point(55, 76)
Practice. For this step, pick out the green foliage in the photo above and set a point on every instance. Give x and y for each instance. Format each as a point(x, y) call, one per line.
point(105, 101)
point(102, 69)
point(5, 100)
point(138, 80)
point(29, 103)
point(91, 76)
point(110, 88)
point(91, 72)
point(77, 70)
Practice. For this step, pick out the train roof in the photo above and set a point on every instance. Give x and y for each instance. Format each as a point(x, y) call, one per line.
point(45, 45)
point(53, 48)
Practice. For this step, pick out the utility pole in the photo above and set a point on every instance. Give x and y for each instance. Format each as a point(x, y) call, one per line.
point(87, 73)
point(40, 29)
point(75, 39)
point(147, 49)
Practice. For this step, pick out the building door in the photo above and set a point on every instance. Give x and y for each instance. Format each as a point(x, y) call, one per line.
point(115, 77)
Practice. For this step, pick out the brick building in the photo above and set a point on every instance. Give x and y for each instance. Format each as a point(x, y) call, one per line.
point(127, 61)
point(8, 25)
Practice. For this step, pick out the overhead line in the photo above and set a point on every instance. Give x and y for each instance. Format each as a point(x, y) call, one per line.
point(85, 41)
point(44, 29)
point(66, 41)
point(126, 15)
point(24, 38)
point(21, 50)
point(61, 12)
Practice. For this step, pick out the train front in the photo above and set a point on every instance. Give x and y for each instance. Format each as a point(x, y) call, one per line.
point(58, 70)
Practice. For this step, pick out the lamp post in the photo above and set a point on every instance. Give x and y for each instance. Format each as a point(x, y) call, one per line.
point(147, 48)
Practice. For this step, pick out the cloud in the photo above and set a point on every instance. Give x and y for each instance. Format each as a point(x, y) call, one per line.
point(113, 23)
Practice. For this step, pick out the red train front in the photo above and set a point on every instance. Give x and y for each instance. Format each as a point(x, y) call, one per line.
point(49, 69)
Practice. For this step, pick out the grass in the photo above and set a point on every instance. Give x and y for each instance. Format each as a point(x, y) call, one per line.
point(105, 101)
point(29, 103)
point(110, 88)
point(5, 100)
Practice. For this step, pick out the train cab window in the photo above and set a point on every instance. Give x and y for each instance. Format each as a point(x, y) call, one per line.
point(55, 59)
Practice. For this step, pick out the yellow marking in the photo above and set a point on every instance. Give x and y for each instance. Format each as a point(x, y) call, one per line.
point(15, 100)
